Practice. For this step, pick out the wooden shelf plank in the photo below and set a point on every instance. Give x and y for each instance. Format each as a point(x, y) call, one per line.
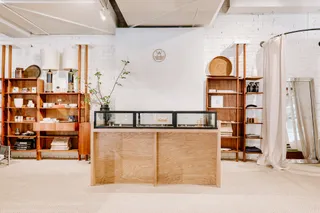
point(254, 93)
point(21, 107)
point(22, 79)
point(29, 150)
point(60, 93)
point(230, 122)
point(253, 108)
point(233, 108)
point(224, 93)
point(230, 137)
point(229, 151)
point(73, 108)
point(223, 77)
point(21, 136)
point(24, 122)
point(254, 138)
point(254, 153)
point(254, 78)
point(49, 150)
point(53, 136)
point(20, 93)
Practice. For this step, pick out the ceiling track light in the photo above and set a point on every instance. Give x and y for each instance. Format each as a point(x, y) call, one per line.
point(102, 14)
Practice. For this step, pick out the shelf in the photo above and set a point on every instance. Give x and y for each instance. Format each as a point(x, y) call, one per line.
point(254, 93)
point(22, 107)
point(229, 151)
point(230, 122)
point(223, 77)
point(76, 108)
point(24, 122)
point(224, 93)
point(30, 150)
point(48, 150)
point(60, 93)
point(22, 79)
point(254, 78)
point(253, 108)
point(53, 136)
point(20, 93)
point(20, 136)
point(259, 153)
point(254, 123)
point(231, 137)
point(254, 138)
point(234, 108)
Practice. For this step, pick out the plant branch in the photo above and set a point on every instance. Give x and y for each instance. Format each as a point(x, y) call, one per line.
point(115, 83)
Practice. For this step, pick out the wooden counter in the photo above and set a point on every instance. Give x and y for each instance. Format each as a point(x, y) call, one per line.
point(156, 156)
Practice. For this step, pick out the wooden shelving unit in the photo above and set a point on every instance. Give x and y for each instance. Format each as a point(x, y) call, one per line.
point(78, 132)
point(232, 110)
point(246, 79)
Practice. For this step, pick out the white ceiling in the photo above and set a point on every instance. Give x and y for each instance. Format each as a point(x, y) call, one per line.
point(169, 12)
point(23, 18)
point(273, 6)
point(19, 18)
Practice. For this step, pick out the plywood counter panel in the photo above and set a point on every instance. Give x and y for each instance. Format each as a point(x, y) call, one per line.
point(156, 156)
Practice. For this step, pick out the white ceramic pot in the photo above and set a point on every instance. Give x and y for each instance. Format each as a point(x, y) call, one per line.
point(18, 102)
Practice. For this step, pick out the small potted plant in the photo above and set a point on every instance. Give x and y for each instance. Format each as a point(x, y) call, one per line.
point(96, 95)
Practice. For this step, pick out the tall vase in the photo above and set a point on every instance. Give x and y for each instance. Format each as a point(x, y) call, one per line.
point(104, 107)
point(106, 116)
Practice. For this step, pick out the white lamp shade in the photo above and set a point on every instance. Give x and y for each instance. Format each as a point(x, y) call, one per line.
point(49, 59)
point(70, 59)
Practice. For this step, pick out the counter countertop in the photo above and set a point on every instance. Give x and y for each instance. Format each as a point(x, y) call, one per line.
point(155, 130)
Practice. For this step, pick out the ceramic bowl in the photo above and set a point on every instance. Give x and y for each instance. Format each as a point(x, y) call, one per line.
point(18, 102)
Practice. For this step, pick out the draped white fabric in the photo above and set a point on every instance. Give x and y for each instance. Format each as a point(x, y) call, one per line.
point(273, 145)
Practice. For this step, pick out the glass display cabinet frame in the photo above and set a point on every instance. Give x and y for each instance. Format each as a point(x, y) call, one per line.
point(155, 119)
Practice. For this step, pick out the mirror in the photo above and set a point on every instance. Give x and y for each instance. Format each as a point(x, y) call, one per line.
point(302, 131)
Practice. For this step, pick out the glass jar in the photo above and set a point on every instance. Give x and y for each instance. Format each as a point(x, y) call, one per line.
point(19, 72)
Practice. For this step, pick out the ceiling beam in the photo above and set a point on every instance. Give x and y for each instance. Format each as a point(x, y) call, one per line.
point(216, 13)
point(62, 19)
point(46, 1)
point(15, 27)
point(121, 21)
point(25, 19)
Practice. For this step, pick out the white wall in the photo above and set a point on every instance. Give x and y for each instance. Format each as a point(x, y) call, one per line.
point(174, 84)
point(178, 82)
point(302, 53)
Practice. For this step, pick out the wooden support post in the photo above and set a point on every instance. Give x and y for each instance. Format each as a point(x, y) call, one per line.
point(86, 67)
point(3, 68)
point(244, 100)
point(237, 101)
point(79, 68)
point(10, 62)
point(79, 96)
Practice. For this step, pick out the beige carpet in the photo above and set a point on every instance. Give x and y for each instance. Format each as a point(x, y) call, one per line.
point(47, 186)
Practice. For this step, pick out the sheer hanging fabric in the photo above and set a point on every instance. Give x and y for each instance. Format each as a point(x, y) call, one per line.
point(273, 145)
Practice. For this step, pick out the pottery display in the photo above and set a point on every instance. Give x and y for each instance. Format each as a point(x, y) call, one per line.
point(18, 102)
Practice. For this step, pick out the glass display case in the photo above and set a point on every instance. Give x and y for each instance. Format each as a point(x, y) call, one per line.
point(113, 119)
point(196, 120)
point(155, 119)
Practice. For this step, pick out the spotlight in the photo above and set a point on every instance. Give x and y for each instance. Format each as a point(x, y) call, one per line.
point(102, 14)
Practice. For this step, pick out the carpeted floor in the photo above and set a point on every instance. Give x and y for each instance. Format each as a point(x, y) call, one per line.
point(48, 186)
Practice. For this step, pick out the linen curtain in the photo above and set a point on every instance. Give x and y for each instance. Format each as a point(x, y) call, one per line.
point(273, 145)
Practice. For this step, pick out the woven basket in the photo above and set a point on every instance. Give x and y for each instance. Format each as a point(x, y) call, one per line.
point(220, 66)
